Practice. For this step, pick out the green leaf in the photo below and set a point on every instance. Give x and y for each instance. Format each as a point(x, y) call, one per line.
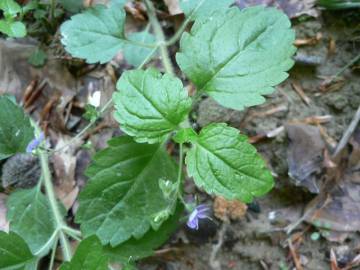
point(123, 197)
point(92, 255)
point(88, 256)
point(136, 249)
point(72, 6)
point(136, 55)
point(15, 129)
point(223, 163)
point(37, 58)
point(200, 9)
point(13, 29)
point(30, 217)
point(238, 56)
point(184, 135)
point(10, 7)
point(14, 253)
point(96, 35)
point(150, 105)
point(91, 113)
point(31, 5)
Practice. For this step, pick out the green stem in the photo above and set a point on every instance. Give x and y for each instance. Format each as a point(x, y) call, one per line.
point(66, 247)
point(179, 177)
point(44, 161)
point(160, 37)
point(85, 129)
point(67, 229)
point(52, 11)
point(102, 111)
point(75, 234)
point(147, 58)
point(140, 44)
point(182, 28)
point(181, 162)
point(53, 252)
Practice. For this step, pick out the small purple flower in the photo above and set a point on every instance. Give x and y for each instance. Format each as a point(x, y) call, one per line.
point(35, 143)
point(200, 212)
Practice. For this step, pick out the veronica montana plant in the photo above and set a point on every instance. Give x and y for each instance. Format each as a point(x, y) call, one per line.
point(134, 197)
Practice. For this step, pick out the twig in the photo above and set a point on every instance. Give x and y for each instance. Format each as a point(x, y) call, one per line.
point(349, 131)
point(214, 263)
point(298, 89)
point(337, 74)
point(333, 261)
point(295, 256)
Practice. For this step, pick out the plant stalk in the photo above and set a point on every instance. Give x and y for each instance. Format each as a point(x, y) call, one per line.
point(44, 161)
point(52, 10)
point(182, 28)
point(160, 37)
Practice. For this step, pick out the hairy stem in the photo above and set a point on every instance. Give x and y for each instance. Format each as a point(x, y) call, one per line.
point(160, 37)
point(52, 10)
point(53, 252)
point(179, 178)
point(140, 44)
point(85, 129)
point(44, 161)
point(181, 161)
point(182, 28)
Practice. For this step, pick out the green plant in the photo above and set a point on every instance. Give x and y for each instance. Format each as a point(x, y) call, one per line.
point(10, 24)
point(134, 197)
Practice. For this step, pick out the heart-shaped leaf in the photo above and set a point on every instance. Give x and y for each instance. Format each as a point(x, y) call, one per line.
point(150, 105)
point(15, 129)
point(123, 198)
point(97, 34)
point(224, 163)
point(236, 56)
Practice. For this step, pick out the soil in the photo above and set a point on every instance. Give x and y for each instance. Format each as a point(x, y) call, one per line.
point(258, 241)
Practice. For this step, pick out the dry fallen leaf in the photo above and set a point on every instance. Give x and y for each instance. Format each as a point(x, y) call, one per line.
point(305, 155)
point(292, 8)
point(64, 162)
point(173, 7)
point(337, 208)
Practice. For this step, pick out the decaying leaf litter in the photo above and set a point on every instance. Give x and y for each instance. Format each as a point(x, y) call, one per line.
point(309, 221)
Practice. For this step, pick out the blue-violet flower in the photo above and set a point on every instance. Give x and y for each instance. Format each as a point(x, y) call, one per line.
point(200, 212)
point(35, 143)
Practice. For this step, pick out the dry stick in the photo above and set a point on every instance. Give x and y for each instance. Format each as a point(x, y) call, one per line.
point(353, 61)
point(349, 131)
point(294, 255)
point(215, 264)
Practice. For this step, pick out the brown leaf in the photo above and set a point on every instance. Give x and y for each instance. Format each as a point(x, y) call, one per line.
point(338, 208)
point(293, 8)
point(173, 7)
point(64, 162)
point(305, 155)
